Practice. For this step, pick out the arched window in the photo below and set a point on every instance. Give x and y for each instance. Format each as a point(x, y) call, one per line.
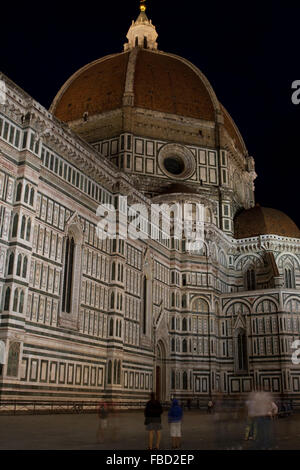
point(184, 279)
point(251, 279)
point(145, 43)
point(21, 303)
point(173, 300)
point(68, 275)
point(16, 300)
point(26, 194)
point(241, 350)
point(184, 381)
point(120, 330)
point(109, 372)
point(173, 323)
point(28, 229)
point(31, 197)
point(18, 272)
point(15, 225)
point(183, 301)
point(19, 192)
point(144, 304)
point(119, 373)
point(115, 371)
point(173, 380)
point(11, 260)
point(136, 41)
point(184, 345)
point(24, 271)
point(173, 344)
point(112, 300)
point(111, 327)
point(184, 324)
point(22, 234)
point(7, 298)
point(113, 271)
point(289, 278)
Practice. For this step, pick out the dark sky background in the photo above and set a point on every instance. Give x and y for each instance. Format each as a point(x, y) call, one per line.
point(249, 51)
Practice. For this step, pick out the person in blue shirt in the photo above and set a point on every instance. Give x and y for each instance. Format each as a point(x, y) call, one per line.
point(175, 418)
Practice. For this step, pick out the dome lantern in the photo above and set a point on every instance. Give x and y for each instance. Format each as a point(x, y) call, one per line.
point(142, 32)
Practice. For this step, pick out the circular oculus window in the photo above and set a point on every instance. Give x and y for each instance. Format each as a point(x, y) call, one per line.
point(176, 161)
point(174, 165)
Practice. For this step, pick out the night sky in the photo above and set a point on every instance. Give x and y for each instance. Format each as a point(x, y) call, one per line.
point(248, 50)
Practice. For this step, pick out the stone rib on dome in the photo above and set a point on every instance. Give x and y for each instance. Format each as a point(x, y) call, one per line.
point(262, 221)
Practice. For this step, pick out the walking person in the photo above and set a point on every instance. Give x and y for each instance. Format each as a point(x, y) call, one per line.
point(263, 409)
point(153, 412)
point(251, 427)
point(103, 421)
point(210, 406)
point(175, 418)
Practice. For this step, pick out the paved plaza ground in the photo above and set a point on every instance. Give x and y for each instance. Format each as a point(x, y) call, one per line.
point(126, 431)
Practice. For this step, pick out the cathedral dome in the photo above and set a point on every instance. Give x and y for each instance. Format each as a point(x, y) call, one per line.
point(264, 220)
point(141, 77)
point(161, 82)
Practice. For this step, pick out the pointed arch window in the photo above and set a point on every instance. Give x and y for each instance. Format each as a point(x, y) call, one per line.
point(18, 272)
point(68, 275)
point(241, 359)
point(11, 263)
point(173, 344)
point(113, 271)
point(112, 300)
point(144, 304)
point(24, 271)
point(184, 381)
point(31, 197)
point(119, 373)
point(289, 278)
point(184, 345)
point(15, 225)
point(115, 371)
point(173, 380)
point(23, 224)
point(184, 324)
point(21, 303)
point(111, 327)
point(109, 372)
point(251, 279)
point(16, 300)
point(7, 298)
point(26, 194)
point(28, 229)
point(183, 301)
point(19, 192)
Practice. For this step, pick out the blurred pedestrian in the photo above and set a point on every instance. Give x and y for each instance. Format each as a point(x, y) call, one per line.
point(251, 427)
point(103, 421)
point(175, 418)
point(263, 412)
point(153, 412)
point(210, 406)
